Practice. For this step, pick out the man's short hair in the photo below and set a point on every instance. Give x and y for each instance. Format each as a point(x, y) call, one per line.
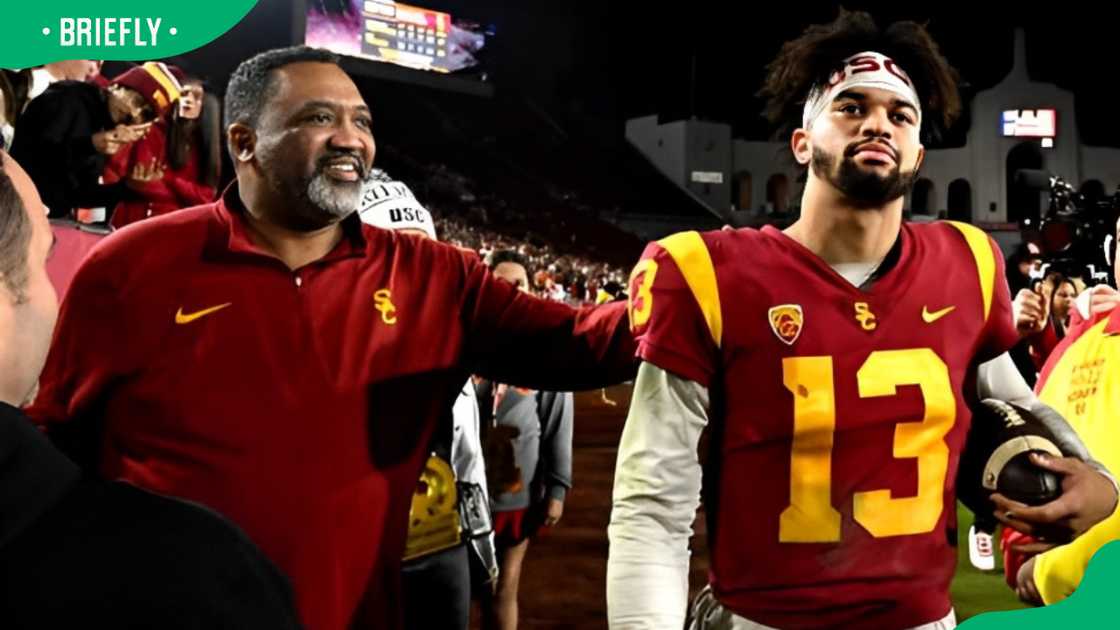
point(15, 237)
point(252, 84)
point(506, 256)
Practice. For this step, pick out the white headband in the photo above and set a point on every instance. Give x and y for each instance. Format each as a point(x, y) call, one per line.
point(867, 69)
point(390, 205)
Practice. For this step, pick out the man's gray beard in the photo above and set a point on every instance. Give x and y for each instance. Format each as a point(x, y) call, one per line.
point(336, 199)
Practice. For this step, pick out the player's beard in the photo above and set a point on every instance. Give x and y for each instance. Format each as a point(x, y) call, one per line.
point(867, 188)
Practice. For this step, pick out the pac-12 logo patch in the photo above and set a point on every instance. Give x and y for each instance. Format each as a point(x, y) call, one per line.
point(786, 321)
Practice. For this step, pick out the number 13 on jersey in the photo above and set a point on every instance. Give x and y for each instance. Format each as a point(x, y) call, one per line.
point(811, 516)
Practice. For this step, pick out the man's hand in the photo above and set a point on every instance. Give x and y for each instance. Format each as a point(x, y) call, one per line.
point(144, 173)
point(1031, 311)
point(1103, 298)
point(553, 511)
point(110, 141)
point(104, 143)
point(1088, 497)
point(1027, 590)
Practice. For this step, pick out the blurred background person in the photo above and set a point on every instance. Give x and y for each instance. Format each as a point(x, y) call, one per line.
point(538, 426)
point(14, 87)
point(68, 70)
point(66, 135)
point(177, 164)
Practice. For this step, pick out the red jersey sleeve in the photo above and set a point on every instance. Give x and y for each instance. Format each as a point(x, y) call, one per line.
point(1000, 334)
point(674, 307)
point(513, 337)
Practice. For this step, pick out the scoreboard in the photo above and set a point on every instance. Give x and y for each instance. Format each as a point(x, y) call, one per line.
point(405, 35)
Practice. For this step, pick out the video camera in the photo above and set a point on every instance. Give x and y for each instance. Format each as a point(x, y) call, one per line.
point(1076, 233)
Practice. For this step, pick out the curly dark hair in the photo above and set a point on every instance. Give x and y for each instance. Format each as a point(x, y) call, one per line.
point(806, 63)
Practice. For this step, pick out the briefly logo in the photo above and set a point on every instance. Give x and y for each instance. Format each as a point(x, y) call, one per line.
point(186, 318)
point(865, 317)
point(786, 320)
point(929, 317)
point(383, 303)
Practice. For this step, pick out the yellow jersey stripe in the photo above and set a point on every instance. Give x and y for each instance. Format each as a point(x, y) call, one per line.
point(981, 247)
point(691, 255)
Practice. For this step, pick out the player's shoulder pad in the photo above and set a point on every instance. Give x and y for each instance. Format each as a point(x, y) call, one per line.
point(983, 250)
point(680, 259)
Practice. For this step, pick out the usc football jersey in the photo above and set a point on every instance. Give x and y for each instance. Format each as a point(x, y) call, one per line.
point(838, 415)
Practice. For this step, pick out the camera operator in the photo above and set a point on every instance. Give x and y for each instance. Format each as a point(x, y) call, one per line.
point(1074, 241)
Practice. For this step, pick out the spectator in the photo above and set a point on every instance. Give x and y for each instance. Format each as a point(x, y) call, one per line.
point(176, 165)
point(540, 427)
point(14, 86)
point(1043, 315)
point(66, 135)
point(69, 70)
point(1022, 265)
point(1065, 292)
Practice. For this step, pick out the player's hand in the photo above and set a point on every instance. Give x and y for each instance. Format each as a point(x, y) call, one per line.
point(553, 512)
point(1031, 311)
point(1103, 298)
point(1027, 590)
point(1088, 497)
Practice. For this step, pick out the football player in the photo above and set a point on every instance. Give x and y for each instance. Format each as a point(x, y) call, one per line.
point(834, 361)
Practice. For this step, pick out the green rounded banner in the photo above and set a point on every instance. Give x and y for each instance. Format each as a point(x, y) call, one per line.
point(1092, 605)
point(36, 33)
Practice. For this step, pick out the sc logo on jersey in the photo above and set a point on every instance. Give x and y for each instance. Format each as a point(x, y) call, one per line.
point(383, 302)
point(865, 317)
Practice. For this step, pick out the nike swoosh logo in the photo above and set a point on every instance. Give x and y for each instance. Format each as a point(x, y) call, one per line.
point(929, 317)
point(181, 318)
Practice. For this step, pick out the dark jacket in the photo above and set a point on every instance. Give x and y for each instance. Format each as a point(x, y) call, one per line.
point(78, 552)
point(54, 144)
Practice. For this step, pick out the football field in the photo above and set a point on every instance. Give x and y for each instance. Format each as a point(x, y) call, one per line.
point(975, 591)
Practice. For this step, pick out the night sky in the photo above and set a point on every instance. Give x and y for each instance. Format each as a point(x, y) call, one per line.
point(614, 60)
point(598, 63)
